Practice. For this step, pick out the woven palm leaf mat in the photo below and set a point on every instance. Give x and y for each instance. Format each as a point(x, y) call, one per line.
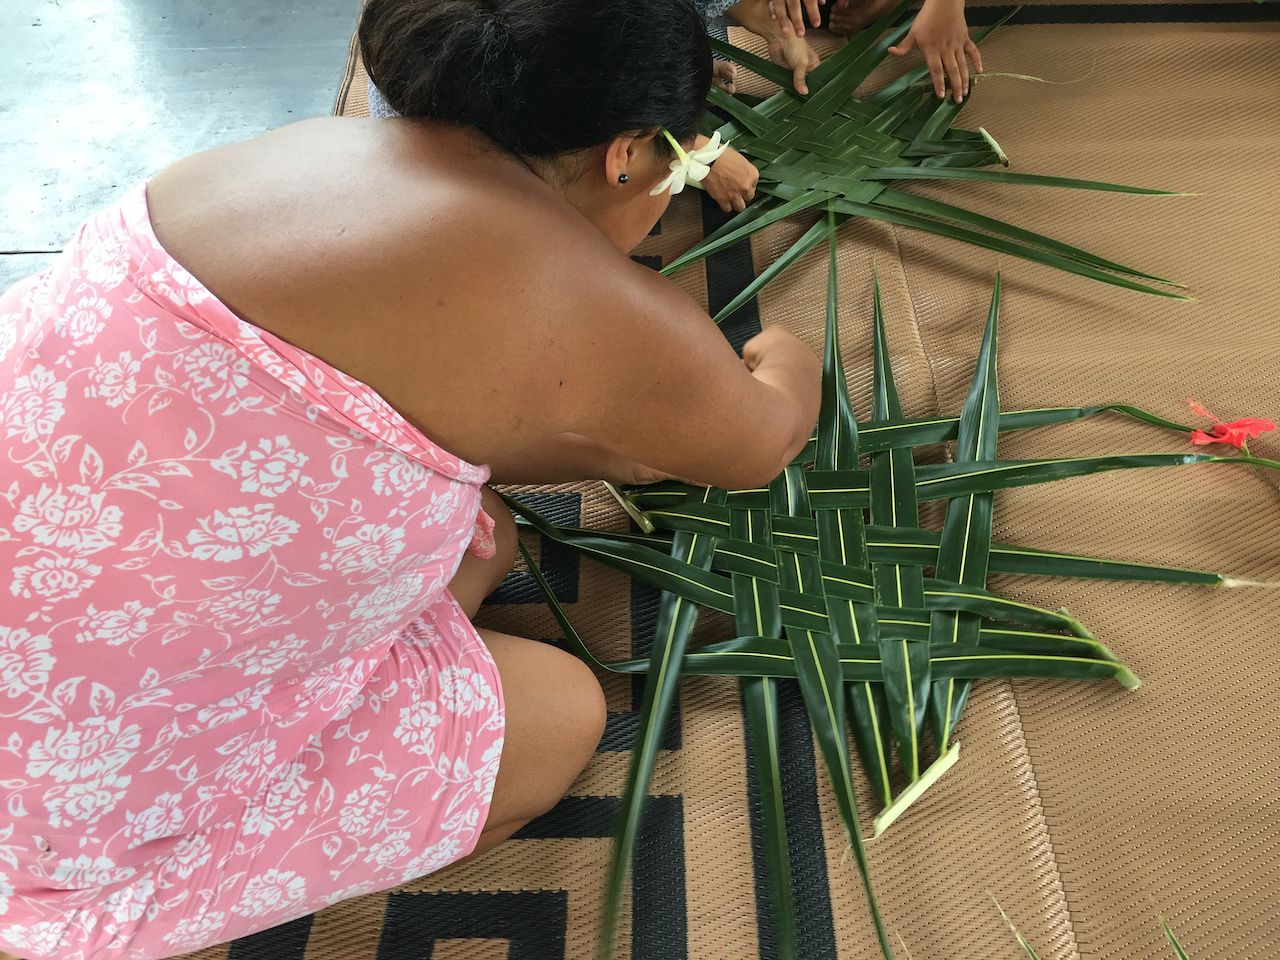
point(1086, 810)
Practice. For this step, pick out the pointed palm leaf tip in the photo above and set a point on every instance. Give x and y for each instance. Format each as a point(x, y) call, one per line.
point(834, 144)
point(840, 608)
point(965, 543)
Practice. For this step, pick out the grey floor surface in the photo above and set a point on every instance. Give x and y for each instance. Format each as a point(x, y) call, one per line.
point(100, 94)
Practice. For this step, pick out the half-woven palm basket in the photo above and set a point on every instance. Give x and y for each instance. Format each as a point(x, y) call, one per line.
point(1085, 809)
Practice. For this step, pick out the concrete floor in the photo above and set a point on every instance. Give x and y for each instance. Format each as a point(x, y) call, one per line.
point(99, 94)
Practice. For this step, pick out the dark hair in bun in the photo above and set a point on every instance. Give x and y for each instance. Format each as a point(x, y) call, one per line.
point(541, 77)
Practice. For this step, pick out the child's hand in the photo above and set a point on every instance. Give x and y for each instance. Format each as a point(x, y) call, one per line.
point(732, 181)
point(942, 36)
point(794, 11)
point(723, 75)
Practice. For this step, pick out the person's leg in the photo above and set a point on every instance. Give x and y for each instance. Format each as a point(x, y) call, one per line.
point(851, 16)
point(458, 739)
point(555, 718)
point(554, 708)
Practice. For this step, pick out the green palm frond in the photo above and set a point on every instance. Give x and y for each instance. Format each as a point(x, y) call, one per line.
point(835, 148)
point(834, 585)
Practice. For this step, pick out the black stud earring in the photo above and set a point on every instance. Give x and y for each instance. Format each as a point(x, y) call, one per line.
point(623, 178)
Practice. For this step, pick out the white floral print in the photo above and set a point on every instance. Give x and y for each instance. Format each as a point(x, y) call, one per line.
point(86, 871)
point(162, 819)
point(106, 263)
point(54, 577)
point(389, 601)
point(271, 467)
point(25, 661)
point(86, 802)
point(272, 657)
point(84, 320)
point(362, 808)
point(391, 848)
point(200, 929)
point(71, 518)
point(397, 475)
point(250, 764)
point(114, 381)
point(191, 853)
point(33, 405)
point(82, 750)
point(242, 703)
point(8, 332)
point(43, 936)
point(464, 692)
point(244, 609)
point(228, 535)
point(237, 690)
point(416, 729)
point(267, 893)
point(114, 627)
point(174, 282)
point(129, 903)
point(373, 547)
point(216, 371)
point(280, 805)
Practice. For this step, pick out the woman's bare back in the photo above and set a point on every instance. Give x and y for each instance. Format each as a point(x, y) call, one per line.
point(447, 275)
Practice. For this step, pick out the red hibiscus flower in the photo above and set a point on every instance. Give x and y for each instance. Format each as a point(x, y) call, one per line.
point(1237, 433)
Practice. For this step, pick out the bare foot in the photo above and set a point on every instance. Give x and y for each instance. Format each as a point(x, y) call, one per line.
point(852, 15)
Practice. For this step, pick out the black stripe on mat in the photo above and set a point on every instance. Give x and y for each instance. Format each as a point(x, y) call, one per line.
point(532, 922)
point(285, 942)
point(559, 564)
point(727, 273)
point(1048, 13)
point(815, 928)
point(659, 914)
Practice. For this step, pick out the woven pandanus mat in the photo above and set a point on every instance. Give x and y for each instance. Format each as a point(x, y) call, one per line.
point(1085, 809)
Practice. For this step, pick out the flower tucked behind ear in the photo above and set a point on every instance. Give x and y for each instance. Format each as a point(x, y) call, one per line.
point(691, 165)
point(1237, 433)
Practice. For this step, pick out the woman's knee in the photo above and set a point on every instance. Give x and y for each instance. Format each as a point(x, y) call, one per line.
point(585, 706)
point(555, 718)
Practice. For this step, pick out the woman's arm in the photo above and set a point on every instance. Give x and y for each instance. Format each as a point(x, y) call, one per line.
point(664, 388)
point(567, 457)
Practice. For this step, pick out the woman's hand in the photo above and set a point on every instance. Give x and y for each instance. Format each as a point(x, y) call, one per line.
point(942, 36)
point(794, 11)
point(777, 348)
point(732, 180)
point(786, 48)
point(795, 54)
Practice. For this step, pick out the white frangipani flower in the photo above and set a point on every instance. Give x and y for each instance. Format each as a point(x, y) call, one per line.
point(689, 165)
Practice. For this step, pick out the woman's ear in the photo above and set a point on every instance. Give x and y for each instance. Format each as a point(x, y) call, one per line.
point(628, 157)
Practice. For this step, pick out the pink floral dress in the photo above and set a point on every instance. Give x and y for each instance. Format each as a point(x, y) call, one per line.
point(234, 686)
